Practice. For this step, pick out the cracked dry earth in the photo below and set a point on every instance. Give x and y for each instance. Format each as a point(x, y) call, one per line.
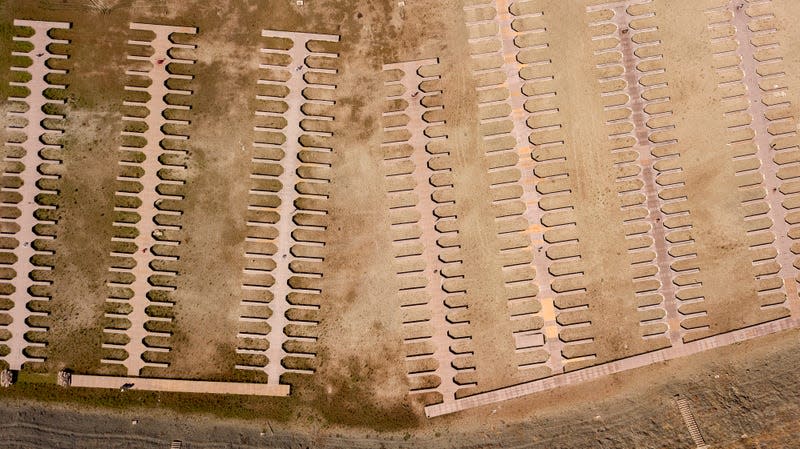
point(457, 223)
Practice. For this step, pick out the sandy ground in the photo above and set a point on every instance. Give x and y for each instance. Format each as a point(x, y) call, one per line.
point(361, 373)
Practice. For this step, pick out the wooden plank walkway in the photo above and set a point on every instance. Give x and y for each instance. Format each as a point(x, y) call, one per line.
point(685, 407)
point(32, 167)
point(180, 386)
point(598, 371)
point(152, 232)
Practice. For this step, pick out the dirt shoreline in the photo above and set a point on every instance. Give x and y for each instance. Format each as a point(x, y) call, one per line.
point(741, 400)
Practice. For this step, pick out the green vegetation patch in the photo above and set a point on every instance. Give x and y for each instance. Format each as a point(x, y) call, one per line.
point(28, 377)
